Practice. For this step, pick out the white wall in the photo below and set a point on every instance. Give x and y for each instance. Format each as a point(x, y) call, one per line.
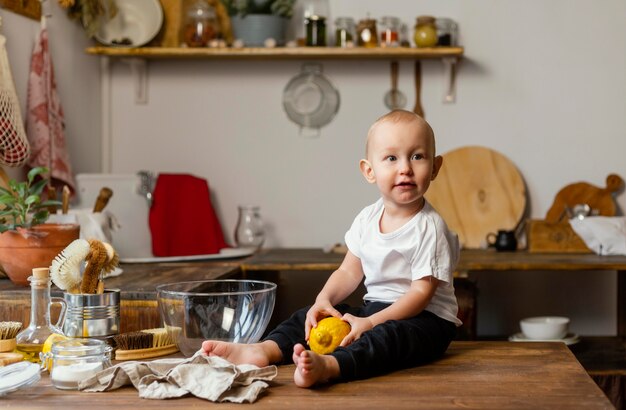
point(542, 82)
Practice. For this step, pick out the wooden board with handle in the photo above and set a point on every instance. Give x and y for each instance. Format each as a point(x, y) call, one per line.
point(478, 191)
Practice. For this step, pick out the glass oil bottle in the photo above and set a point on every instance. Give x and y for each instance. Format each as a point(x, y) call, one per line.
point(30, 340)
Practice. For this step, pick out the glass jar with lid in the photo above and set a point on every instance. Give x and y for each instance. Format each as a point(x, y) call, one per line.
point(390, 31)
point(199, 24)
point(315, 31)
point(367, 35)
point(425, 32)
point(72, 360)
point(344, 32)
point(447, 31)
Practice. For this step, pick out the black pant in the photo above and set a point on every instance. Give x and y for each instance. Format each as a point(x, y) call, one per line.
point(389, 346)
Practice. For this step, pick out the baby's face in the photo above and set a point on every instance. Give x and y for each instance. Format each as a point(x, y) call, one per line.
point(401, 161)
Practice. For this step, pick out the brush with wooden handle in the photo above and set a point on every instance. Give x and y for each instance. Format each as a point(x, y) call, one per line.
point(65, 199)
point(52, 196)
point(103, 199)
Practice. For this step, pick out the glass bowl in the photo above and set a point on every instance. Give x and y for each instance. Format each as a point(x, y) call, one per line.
point(228, 310)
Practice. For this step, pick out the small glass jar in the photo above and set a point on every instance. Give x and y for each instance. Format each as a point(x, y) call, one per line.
point(249, 232)
point(73, 360)
point(344, 32)
point(390, 31)
point(447, 32)
point(315, 31)
point(367, 35)
point(199, 24)
point(425, 32)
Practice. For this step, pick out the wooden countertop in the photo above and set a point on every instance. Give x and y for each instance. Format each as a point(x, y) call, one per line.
point(471, 375)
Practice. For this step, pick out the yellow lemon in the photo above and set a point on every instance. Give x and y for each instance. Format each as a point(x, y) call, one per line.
point(328, 334)
point(47, 346)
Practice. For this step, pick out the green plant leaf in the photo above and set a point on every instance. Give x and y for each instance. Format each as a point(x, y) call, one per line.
point(32, 199)
point(49, 202)
point(40, 217)
point(38, 187)
point(36, 171)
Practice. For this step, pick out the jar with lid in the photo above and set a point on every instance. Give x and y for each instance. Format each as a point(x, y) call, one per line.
point(447, 31)
point(249, 232)
point(367, 35)
point(72, 360)
point(390, 31)
point(344, 32)
point(425, 32)
point(199, 24)
point(315, 31)
point(30, 340)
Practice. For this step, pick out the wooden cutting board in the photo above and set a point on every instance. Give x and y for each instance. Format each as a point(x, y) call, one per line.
point(478, 191)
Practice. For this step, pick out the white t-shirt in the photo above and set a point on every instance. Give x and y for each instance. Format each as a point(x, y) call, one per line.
point(424, 246)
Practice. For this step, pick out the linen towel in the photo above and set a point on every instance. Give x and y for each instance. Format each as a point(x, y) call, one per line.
point(182, 219)
point(44, 118)
point(605, 235)
point(207, 377)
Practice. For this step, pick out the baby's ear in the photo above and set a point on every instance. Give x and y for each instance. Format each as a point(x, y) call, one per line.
point(367, 171)
point(437, 163)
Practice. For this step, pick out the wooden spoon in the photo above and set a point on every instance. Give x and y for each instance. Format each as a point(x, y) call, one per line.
point(418, 86)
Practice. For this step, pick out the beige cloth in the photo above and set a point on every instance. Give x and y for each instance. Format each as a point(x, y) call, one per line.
point(207, 377)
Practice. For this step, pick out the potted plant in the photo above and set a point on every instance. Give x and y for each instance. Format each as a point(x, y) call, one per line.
point(26, 241)
point(255, 21)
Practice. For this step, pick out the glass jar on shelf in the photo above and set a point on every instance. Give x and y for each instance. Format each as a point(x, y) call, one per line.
point(344, 32)
point(390, 31)
point(199, 24)
point(367, 35)
point(425, 34)
point(447, 32)
point(315, 31)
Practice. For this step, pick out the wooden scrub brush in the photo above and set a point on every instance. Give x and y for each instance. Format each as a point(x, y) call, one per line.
point(65, 269)
point(146, 344)
point(8, 331)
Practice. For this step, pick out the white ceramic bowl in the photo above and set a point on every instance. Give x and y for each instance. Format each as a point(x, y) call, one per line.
point(545, 327)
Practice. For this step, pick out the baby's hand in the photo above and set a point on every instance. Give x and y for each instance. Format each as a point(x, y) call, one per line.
point(359, 326)
point(317, 312)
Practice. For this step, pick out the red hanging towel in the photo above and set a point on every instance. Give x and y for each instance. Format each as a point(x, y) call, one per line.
point(182, 219)
point(44, 120)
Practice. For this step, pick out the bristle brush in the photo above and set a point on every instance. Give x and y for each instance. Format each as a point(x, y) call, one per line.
point(65, 269)
point(147, 343)
point(96, 258)
point(8, 331)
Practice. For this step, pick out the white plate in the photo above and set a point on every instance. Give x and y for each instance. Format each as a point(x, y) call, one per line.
point(138, 21)
point(225, 253)
point(569, 339)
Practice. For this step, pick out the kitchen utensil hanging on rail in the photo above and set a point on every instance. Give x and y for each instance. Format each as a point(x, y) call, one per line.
point(395, 99)
point(417, 109)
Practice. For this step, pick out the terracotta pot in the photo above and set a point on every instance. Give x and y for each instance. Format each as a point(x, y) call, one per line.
point(25, 249)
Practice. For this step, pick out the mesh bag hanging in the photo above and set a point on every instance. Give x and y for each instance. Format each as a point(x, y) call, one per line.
point(14, 147)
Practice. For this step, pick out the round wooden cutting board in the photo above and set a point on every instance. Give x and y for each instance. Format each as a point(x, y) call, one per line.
point(478, 191)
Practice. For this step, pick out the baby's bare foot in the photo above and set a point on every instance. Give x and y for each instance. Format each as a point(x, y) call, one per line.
point(237, 353)
point(313, 368)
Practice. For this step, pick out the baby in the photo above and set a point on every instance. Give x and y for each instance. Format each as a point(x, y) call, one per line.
point(406, 255)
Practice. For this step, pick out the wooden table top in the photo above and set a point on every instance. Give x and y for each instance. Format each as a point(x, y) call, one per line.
point(139, 280)
point(471, 259)
point(470, 375)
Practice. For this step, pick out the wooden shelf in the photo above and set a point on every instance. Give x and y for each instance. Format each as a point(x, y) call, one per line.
point(281, 53)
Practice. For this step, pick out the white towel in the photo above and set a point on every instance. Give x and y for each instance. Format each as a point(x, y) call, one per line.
point(207, 377)
point(605, 235)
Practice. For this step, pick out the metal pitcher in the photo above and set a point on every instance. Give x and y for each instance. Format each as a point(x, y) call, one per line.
point(92, 315)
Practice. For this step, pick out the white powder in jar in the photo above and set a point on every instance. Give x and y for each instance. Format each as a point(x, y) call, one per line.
point(75, 372)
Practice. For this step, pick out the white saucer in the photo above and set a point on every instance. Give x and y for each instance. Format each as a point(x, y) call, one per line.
point(569, 339)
